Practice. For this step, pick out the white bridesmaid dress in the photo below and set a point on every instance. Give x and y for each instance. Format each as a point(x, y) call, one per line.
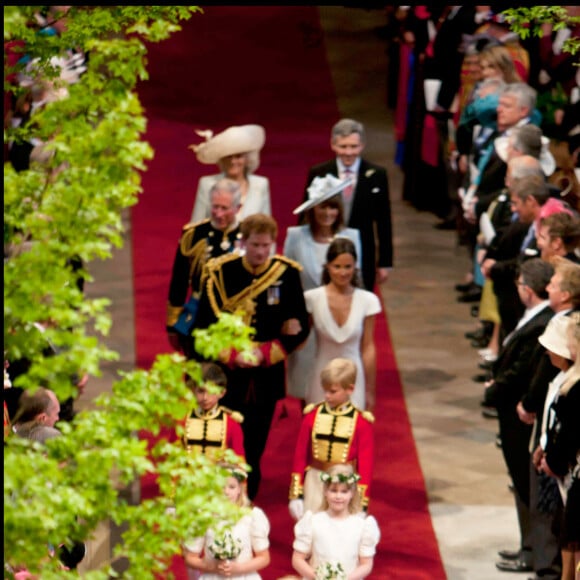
point(339, 341)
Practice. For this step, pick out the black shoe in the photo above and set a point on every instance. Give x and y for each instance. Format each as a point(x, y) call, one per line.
point(475, 310)
point(514, 566)
point(466, 287)
point(485, 365)
point(476, 334)
point(489, 412)
point(483, 378)
point(498, 445)
point(473, 295)
point(509, 554)
point(480, 342)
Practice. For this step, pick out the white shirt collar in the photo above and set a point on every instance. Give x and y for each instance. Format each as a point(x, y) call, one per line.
point(354, 167)
point(531, 312)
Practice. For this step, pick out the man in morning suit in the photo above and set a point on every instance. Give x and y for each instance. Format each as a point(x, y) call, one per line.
point(367, 205)
point(266, 290)
point(513, 372)
point(199, 242)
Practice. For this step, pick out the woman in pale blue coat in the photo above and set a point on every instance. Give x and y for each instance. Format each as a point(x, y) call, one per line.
point(236, 151)
point(307, 244)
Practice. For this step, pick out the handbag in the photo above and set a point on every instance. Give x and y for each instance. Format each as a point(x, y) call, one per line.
point(186, 319)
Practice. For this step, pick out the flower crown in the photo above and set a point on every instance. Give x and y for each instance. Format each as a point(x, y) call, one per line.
point(238, 473)
point(349, 479)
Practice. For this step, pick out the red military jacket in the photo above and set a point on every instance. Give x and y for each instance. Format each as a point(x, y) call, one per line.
point(214, 430)
point(330, 436)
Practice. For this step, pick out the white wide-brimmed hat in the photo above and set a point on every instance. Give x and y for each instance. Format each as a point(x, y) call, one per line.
point(545, 158)
point(237, 139)
point(555, 336)
point(322, 189)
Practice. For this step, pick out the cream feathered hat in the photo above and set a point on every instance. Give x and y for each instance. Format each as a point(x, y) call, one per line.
point(237, 139)
point(321, 189)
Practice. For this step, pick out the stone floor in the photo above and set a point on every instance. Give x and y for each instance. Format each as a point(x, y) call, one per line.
point(467, 484)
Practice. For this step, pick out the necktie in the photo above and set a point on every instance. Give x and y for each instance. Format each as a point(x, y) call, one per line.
point(529, 237)
point(347, 191)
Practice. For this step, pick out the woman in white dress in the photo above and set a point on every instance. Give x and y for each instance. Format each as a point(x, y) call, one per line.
point(236, 151)
point(250, 534)
point(308, 244)
point(343, 319)
point(336, 540)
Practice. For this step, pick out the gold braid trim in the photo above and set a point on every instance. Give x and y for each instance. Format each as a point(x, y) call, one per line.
point(198, 258)
point(277, 354)
point(186, 239)
point(196, 252)
point(239, 300)
point(173, 313)
point(364, 499)
point(290, 262)
point(296, 490)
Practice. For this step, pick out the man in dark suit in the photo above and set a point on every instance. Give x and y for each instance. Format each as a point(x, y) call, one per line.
point(545, 500)
point(513, 372)
point(516, 244)
point(367, 204)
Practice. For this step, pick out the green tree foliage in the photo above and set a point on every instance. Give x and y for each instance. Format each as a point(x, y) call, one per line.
point(70, 207)
point(528, 21)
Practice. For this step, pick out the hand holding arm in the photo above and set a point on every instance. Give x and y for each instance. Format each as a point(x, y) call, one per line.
point(537, 457)
point(525, 416)
point(300, 564)
point(369, 360)
point(232, 568)
point(382, 275)
point(364, 568)
point(546, 468)
point(291, 327)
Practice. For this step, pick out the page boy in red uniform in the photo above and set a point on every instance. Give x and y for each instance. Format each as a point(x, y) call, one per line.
point(332, 432)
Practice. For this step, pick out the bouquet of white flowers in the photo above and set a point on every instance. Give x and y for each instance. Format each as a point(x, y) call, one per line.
point(330, 571)
point(225, 546)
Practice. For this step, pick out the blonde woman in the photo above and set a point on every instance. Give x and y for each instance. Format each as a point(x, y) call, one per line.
point(236, 152)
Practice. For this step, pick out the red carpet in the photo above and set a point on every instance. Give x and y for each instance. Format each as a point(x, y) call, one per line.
point(265, 65)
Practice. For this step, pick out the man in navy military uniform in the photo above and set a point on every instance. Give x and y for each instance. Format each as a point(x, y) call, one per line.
point(268, 293)
point(198, 243)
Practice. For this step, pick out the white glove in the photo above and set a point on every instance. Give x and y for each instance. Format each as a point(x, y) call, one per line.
point(296, 508)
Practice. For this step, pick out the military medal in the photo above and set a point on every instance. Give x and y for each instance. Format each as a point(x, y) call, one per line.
point(225, 245)
point(273, 295)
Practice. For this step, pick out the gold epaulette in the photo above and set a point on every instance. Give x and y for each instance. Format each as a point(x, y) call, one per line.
point(235, 415)
point(215, 263)
point(367, 415)
point(190, 225)
point(289, 261)
point(309, 408)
